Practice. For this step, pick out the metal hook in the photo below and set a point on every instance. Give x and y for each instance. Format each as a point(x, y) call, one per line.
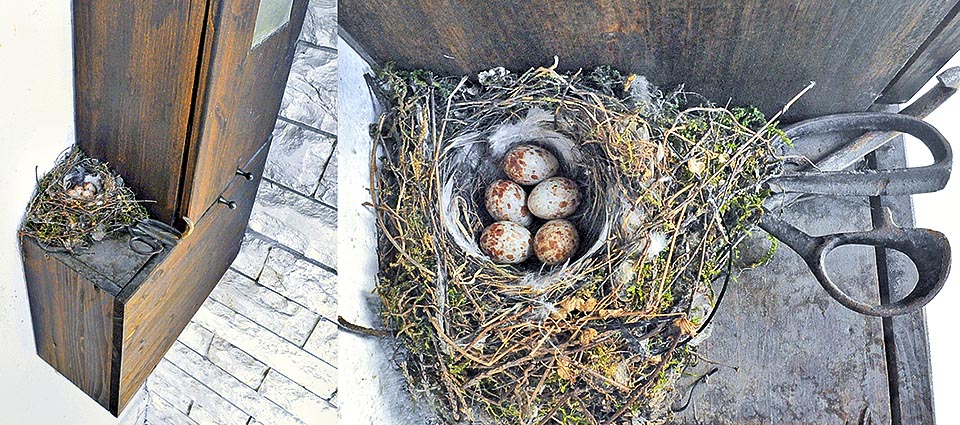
point(245, 174)
point(230, 204)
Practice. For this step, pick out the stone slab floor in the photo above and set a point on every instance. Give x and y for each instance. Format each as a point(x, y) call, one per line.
point(262, 349)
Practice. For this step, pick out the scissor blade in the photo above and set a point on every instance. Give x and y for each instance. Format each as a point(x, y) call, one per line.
point(947, 85)
point(159, 231)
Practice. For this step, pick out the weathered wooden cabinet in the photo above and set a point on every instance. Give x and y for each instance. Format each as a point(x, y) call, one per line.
point(784, 351)
point(180, 97)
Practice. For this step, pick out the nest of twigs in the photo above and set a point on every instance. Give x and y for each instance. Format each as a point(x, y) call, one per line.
point(80, 201)
point(671, 184)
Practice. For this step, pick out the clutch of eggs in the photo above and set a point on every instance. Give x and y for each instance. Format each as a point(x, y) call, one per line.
point(553, 198)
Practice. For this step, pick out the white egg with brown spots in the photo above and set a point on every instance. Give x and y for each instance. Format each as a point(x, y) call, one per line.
point(556, 242)
point(556, 197)
point(506, 242)
point(506, 201)
point(529, 164)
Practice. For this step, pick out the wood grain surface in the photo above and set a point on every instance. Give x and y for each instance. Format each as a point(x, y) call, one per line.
point(754, 52)
point(157, 308)
point(134, 74)
point(936, 50)
point(242, 92)
point(73, 323)
point(786, 351)
point(905, 337)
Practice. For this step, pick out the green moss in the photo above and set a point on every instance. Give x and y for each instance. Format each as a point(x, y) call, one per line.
point(504, 413)
point(568, 415)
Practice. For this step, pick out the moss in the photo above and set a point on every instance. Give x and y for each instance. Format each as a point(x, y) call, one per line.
point(604, 359)
point(504, 413)
point(568, 415)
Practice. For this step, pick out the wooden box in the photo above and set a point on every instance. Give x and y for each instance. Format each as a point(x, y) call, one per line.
point(180, 98)
point(104, 319)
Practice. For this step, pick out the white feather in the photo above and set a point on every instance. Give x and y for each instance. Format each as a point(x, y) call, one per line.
point(451, 219)
point(535, 126)
point(658, 241)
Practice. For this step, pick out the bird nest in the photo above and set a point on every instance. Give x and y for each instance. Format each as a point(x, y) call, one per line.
point(79, 202)
point(670, 185)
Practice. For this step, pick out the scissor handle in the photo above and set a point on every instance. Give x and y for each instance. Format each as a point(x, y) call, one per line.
point(901, 181)
point(145, 245)
point(929, 251)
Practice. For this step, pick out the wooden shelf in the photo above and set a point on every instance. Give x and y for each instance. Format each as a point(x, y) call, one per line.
point(106, 328)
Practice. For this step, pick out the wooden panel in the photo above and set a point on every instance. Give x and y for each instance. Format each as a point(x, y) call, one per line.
point(134, 70)
point(243, 89)
point(786, 351)
point(756, 52)
point(939, 47)
point(905, 337)
point(158, 308)
point(72, 323)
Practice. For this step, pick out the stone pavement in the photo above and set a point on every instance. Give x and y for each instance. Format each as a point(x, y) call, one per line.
point(262, 349)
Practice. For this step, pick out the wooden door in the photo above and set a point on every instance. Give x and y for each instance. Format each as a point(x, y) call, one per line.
point(176, 95)
point(242, 85)
point(135, 69)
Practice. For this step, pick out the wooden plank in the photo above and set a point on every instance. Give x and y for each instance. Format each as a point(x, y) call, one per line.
point(243, 88)
point(72, 324)
point(786, 351)
point(134, 73)
point(942, 44)
point(157, 309)
point(755, 52)
point(905, 337)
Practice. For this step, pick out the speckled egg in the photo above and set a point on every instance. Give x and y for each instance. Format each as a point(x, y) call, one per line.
point(529, 164)
point(556, 197)
point(506, 242)
point(506, 201)
point(556, 242)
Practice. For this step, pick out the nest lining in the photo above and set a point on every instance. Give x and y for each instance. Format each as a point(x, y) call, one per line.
point(669, 191)
point(79, 202)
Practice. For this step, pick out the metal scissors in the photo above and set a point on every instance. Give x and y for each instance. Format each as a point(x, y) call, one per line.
point(929, 250)
point(149, 236)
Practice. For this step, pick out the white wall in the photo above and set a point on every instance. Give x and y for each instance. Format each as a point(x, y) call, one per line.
point(939, 211)
point(36, 124)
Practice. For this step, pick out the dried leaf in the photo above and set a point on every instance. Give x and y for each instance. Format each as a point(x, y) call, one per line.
point(621, 374)
point(558, 314)
point(696, 166)
point(571, 304)
point(588, 335)
point(563, 368)
point(589, 305)
point(685, 325)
